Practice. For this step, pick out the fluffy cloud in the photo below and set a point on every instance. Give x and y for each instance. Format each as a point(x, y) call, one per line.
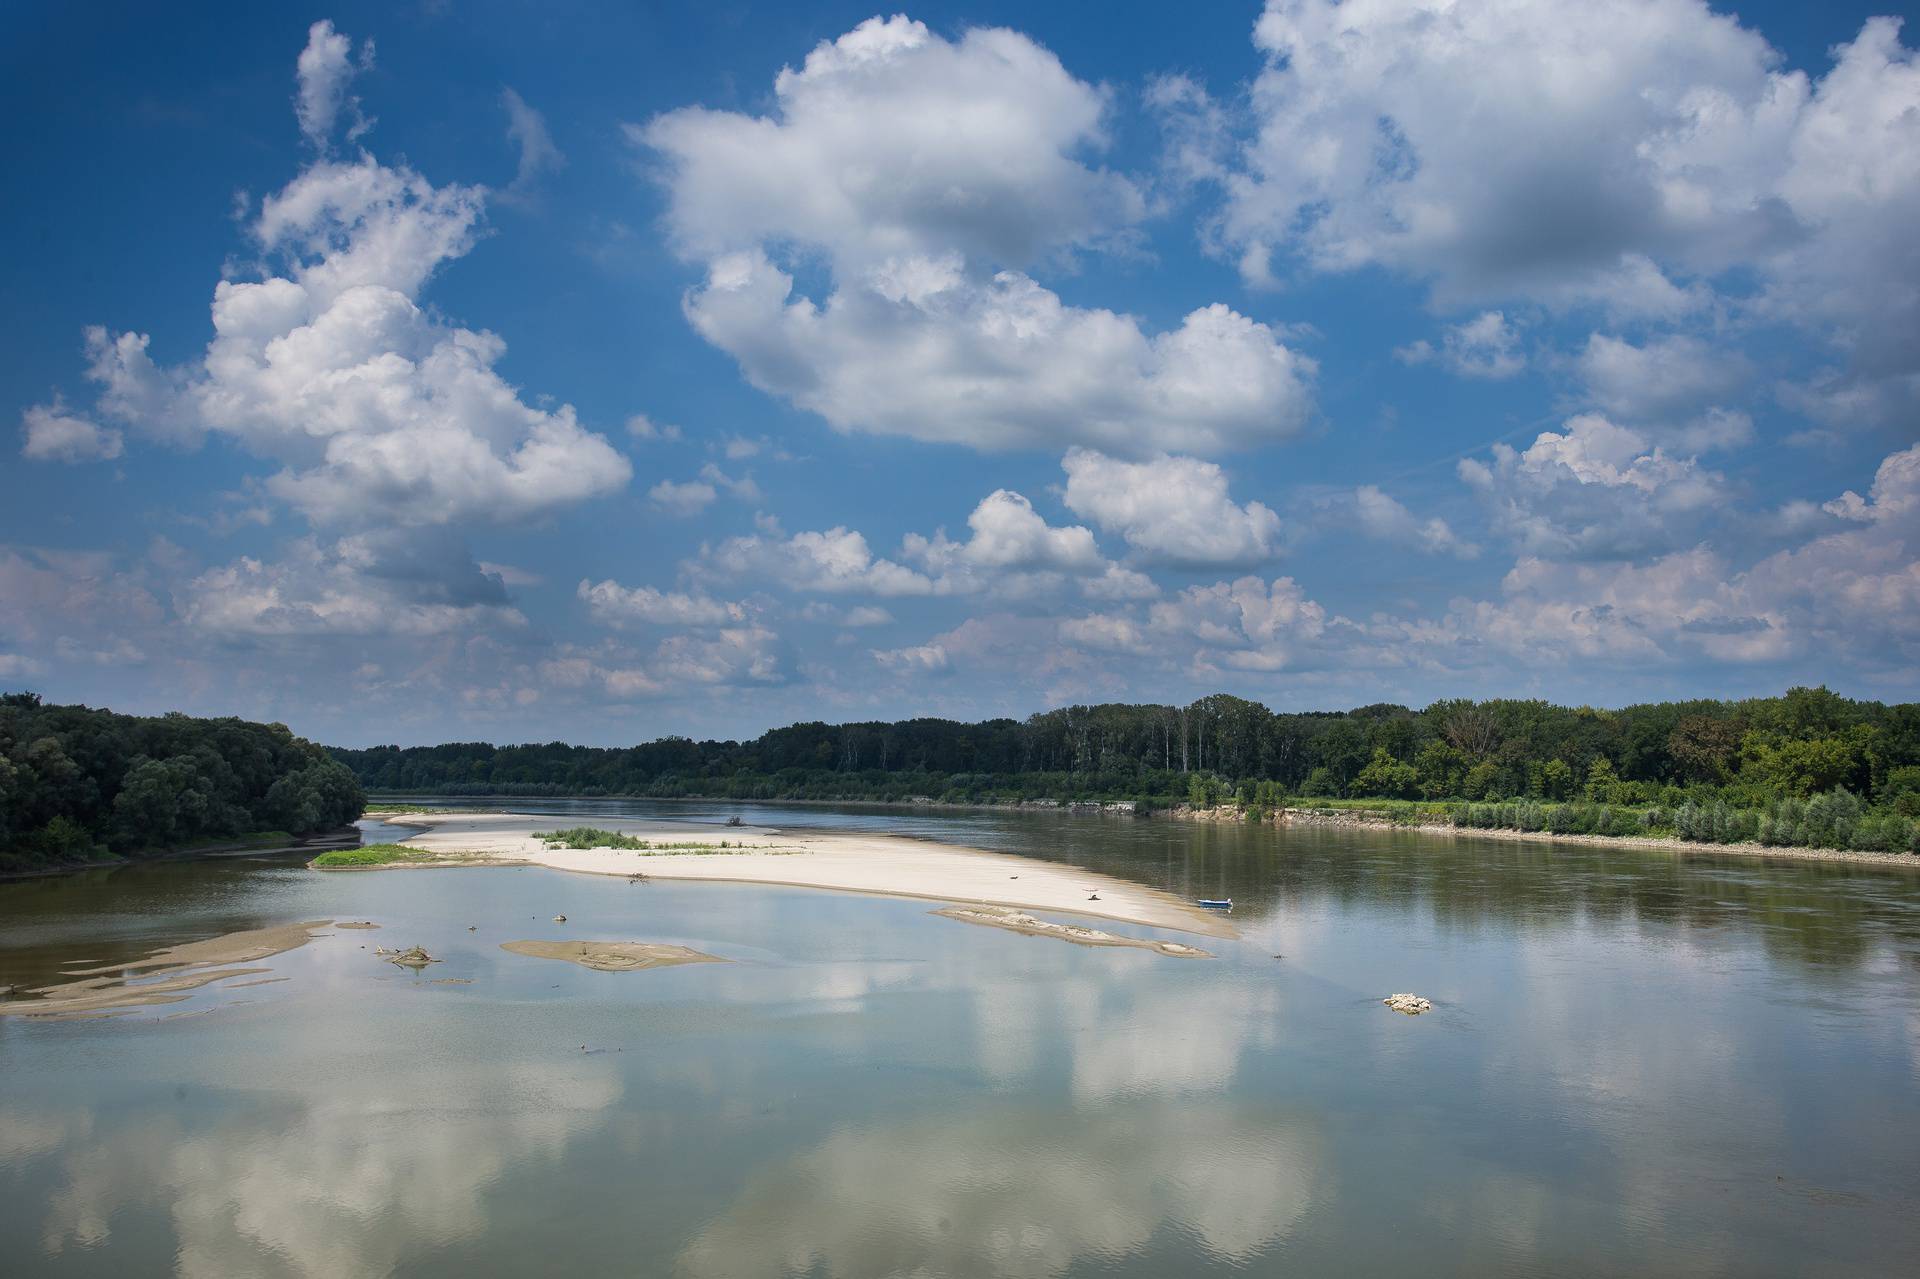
point(930, 175)
point(1010, 550)
point(741, 487)
point(1669, 379)
point(836, 561)
point(1246, 624)
point(55, 435)
point(1621, 153)
point(675, 498)
point(919, 659)
point(379, 412)
point(1856, 592)
point(324, 71)
point(1110, 632)
point(1385, 519)
point(618, 605)
point(1487, 346)
point(1623, 612)
point(730, 656)
point(1172, 509)
point(928, 352)
point(1007, 533)
point(1119, 582)
point(642, 427)
point(893, 143)
point(1852, 592)
point(1594, 490)
point(369, 584)
point(1496, 147)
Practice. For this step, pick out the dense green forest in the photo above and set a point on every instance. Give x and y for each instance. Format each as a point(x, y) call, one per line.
point(1809, 767)
point(77, 784)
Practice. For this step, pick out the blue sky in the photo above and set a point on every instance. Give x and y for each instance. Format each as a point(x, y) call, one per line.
point(467, 371)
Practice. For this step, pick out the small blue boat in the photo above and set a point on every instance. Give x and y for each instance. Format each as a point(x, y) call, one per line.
point(1211, 904)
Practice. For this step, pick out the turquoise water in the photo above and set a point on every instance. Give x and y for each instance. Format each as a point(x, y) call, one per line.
point(1635, 1064)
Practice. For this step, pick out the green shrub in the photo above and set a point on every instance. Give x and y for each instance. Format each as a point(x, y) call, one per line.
point(370, 855)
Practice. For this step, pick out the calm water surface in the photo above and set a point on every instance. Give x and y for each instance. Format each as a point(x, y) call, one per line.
point(1636, 1064)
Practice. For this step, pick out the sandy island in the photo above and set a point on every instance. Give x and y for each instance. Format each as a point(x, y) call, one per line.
point(883, 865)
point(612, 956)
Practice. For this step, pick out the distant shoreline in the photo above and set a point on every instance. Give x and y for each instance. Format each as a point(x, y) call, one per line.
point(1358, 819)
point(1362, 819)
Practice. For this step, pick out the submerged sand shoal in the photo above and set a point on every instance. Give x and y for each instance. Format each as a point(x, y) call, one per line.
point(612, 956)
point(163, 977)
point(1019, 921)
point(884, 865)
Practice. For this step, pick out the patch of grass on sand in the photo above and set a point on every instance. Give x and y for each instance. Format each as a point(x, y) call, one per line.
point(588, 837)
point(371, 855)
point(585, 837)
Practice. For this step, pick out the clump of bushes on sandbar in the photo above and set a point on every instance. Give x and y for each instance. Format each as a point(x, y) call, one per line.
point(370, 855)
point(593, 837)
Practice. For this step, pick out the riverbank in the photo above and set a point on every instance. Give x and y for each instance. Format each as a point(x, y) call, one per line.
point(880, 865)
point(1363, 819)
point(341, 837)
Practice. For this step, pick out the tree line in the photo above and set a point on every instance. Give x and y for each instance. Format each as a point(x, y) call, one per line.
point(78, 783)
point(1740, 755)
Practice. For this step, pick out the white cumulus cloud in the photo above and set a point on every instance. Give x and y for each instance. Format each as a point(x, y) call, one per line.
point(1634, 154)
point(1594, 490)
point(618, 605)
point(1171, 509)
point(325, 69)
point(378, 411)
point(54, 435)
point(931, 176)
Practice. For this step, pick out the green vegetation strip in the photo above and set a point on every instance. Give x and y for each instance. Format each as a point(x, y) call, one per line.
point(371, 855)
point(587, 837)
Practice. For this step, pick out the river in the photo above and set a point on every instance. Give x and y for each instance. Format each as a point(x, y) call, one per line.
point(1636, 1063)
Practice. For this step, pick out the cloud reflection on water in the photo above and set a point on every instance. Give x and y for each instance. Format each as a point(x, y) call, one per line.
point(1018, 1193)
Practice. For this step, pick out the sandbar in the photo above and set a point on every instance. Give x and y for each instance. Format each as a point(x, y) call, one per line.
point(882, 865)
point(612, 956)
point(1019, 921)
point(162, 977)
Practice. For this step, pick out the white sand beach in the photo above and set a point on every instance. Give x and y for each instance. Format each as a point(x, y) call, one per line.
point(886, 865)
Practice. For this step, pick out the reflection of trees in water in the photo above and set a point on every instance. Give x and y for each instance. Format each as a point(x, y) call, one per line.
point(126, 913)
point(1819, 914)
point(1019, 1194)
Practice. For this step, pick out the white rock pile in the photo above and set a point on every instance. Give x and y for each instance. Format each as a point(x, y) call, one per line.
point(1411, 1005)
